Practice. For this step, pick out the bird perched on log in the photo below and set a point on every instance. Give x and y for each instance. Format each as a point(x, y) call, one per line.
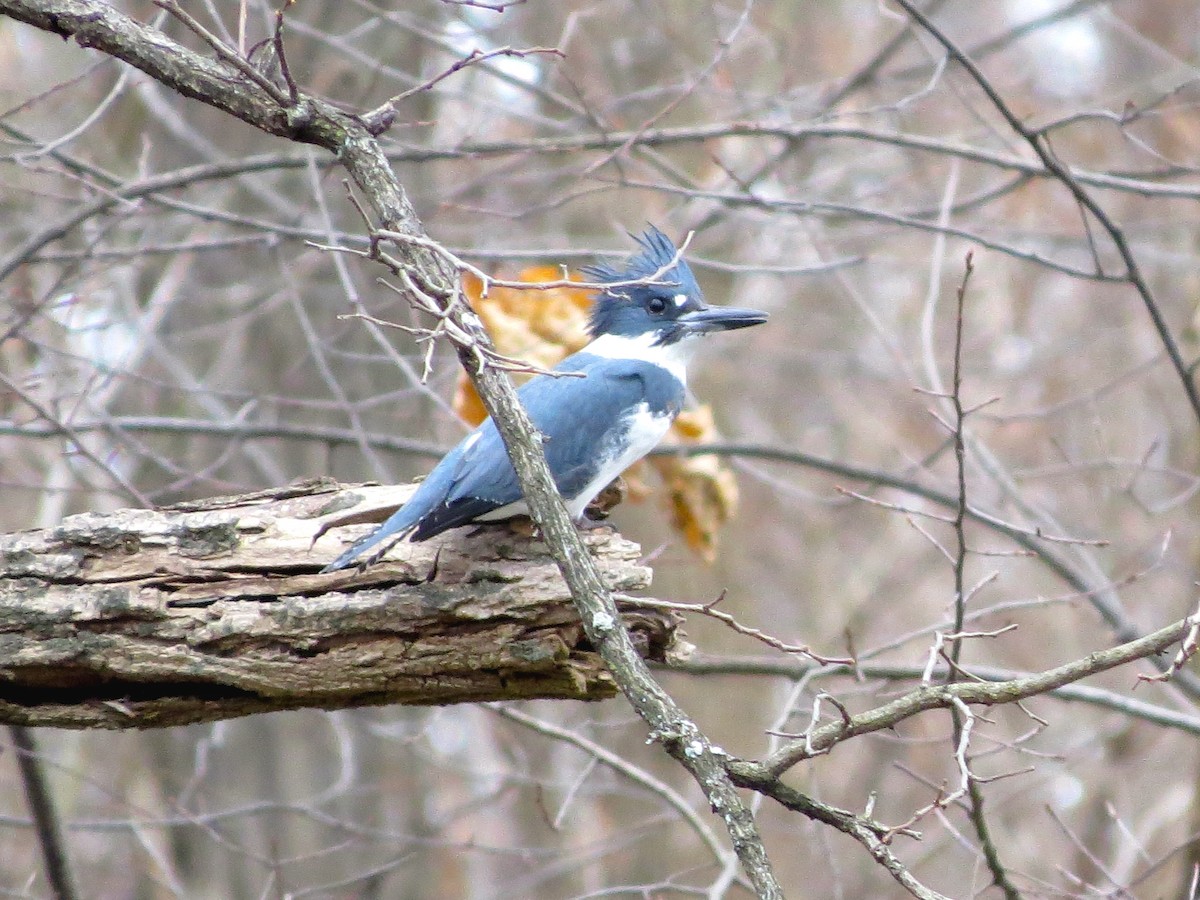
point(644, 331)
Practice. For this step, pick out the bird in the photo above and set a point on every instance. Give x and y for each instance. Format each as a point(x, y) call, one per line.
point(644, 330)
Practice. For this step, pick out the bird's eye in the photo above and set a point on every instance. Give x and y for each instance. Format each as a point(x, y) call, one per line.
point(656, 305)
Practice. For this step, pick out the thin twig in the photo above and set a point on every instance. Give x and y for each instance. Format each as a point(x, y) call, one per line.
point(281, 55)
point(960, 462)
point(622, 766)
point(709, 609)
point(960, 716)
point(226, 53)
point(45, 817)
point(1187, 649)
point(475, 56)
point(1037, 141)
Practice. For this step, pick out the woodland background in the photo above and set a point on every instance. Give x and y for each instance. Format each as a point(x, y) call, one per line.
point(162, 298)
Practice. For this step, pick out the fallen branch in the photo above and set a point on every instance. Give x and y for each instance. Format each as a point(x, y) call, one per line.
point(214, 609)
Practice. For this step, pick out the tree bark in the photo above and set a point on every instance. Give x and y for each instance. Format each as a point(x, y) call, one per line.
point(215, 609)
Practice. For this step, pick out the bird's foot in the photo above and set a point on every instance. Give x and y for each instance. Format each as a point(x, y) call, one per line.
point(586, 523)
point(379, 554)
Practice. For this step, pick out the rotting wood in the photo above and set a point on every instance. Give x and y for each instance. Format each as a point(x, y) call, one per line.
point(214, 609)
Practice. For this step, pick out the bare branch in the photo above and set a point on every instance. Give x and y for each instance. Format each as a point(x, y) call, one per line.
point(986, 693)
point(779, 667)
point(45, 815)
point(1037, 141)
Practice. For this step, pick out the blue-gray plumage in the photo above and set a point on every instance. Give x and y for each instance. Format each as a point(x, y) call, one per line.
point(595, 427)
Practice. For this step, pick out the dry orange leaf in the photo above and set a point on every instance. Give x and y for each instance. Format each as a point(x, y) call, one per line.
point(539, 327)
point(543, 327)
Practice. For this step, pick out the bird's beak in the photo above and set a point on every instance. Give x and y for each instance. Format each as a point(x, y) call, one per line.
point(721, 318)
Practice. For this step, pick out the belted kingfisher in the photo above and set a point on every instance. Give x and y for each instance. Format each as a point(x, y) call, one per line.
point(594, 427)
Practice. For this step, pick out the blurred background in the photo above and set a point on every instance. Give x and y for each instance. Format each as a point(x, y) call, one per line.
point(164, 309)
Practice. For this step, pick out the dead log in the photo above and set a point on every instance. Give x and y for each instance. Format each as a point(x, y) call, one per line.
point(215, 609)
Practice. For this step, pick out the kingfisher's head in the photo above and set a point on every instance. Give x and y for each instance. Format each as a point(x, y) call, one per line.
point(664, 306)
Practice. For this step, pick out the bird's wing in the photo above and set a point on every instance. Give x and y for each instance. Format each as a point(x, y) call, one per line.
point(580, 420)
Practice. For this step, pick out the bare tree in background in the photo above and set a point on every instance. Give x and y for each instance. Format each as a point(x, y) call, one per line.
point(966, 443)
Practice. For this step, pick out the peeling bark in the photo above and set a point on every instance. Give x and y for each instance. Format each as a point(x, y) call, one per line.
point(208, 610)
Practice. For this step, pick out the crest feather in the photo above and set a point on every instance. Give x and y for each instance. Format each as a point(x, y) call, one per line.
point(657, 254)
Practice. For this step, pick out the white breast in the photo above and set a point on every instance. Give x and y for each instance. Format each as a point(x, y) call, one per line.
point(645, 430)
